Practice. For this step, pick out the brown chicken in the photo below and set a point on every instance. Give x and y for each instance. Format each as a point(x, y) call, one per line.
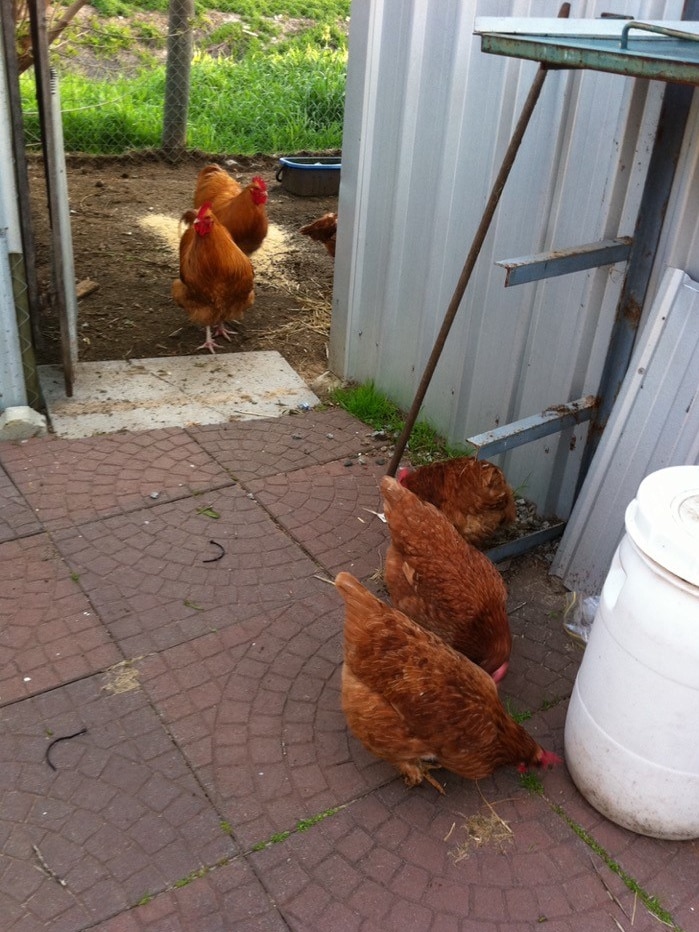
point(323, 230)
point(416, 703)
point(473, 494)
point(216, 278)
point(443, 583)
point(240, 209)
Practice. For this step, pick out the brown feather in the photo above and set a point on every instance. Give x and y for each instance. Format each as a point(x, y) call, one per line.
point(323, 230)
point(415, 702)
point(216, 278)
point(234, 206)
point(440, 581)
point(473, 494)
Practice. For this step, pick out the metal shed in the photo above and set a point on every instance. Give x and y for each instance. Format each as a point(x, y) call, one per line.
point(581, 179)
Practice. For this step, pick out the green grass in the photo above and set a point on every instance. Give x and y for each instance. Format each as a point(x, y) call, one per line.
point(301, 826)
point(531, 782)
point(518, 716)
point(652, 903)
point(254, 87)
point(378, 411)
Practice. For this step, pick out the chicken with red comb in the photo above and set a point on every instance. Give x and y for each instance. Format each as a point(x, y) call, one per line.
point(440, 581)
point(216, 277)
point(416, 703)
point(241, 209)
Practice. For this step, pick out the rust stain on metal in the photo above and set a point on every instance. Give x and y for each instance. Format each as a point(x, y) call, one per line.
point(574, 408)
point(632, 312)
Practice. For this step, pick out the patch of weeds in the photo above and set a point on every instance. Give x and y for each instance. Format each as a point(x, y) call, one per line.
point(272, 840)
point(234, 39)
point(531, 782)
point(304, 824)
point(226, 827)
point(370, 406)
point(185, 881)
point(189, 604)
point(517, 716)
point(651, 903)
point(301, 826)
point(426, 445)
point(108, 38)
point(149, 34)
point(194, 875)
point(75, 577)
point(374, 408)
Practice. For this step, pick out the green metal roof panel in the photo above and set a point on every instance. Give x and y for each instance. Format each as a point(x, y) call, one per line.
point(671, 56)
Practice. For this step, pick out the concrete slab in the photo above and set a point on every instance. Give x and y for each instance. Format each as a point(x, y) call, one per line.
point(174, 391)
point(21, 422)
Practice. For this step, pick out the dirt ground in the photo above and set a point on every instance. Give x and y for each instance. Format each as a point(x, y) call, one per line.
point(125, 214)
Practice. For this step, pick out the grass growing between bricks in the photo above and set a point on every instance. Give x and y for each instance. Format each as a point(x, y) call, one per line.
point(532, 782)
point(652, 903)
point(301, 826)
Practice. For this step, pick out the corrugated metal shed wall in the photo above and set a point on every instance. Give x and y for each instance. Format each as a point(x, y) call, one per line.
point(428, 118)
point(664, 430)
point(679, 243)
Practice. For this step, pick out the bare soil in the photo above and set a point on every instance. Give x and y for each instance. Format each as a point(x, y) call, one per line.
point(125, 214)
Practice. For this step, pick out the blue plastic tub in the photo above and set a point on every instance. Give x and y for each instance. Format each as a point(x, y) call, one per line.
point(310, 176)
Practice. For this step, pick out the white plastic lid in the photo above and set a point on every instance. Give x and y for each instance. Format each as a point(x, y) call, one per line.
point(663, 520)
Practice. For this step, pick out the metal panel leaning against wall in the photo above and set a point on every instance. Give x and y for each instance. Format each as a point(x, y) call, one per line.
point(428, 117)
point(12, 387)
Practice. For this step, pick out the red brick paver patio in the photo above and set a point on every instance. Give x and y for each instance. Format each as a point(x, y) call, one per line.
point(165, 614)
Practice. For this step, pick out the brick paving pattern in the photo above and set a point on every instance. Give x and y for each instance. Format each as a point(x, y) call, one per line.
point(173, 756)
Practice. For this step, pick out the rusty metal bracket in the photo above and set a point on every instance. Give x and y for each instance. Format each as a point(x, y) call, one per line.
point(550, 421)
point(565, 261)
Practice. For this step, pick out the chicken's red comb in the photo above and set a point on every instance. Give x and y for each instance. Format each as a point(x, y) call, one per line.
point(549, 759)
point(260, 182)
point(206, 206)
point(402, 473)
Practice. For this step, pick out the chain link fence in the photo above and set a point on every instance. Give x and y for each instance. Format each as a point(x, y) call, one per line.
point(182, 82)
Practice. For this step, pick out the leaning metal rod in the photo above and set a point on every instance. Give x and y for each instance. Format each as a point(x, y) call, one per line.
point(476, 246)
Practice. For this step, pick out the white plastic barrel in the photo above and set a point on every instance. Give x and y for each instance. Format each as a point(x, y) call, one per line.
point(632, 728)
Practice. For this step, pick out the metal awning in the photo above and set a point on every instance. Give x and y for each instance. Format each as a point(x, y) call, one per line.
point(659, 50)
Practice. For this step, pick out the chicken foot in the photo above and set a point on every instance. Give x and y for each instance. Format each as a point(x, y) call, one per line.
point(222, 331)
point(416, 773)
point(209, 343)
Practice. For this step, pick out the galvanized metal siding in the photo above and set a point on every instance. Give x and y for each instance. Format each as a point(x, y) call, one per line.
point(428, 117)
point(655, 421)
point(679, 243)
point(654, 424)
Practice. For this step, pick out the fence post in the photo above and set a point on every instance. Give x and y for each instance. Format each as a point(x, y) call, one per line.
point(178, 69)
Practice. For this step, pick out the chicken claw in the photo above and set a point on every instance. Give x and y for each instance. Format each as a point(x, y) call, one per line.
point(413, 774)
point(209, 343)
point(222, 331)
